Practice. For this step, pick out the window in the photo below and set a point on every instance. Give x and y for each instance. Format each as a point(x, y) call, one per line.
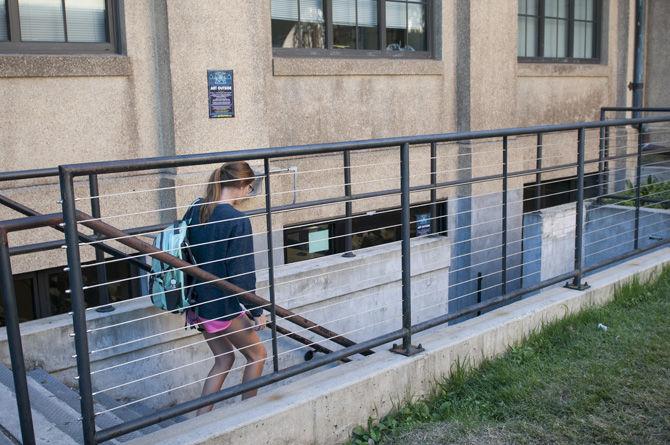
point(558, 30)
point(369, 230)
point(392, 28)
point(57, 26)
point(554, 192)
point(42, 293)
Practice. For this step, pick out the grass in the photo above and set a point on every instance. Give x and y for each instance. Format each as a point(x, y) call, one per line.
point(570, 383)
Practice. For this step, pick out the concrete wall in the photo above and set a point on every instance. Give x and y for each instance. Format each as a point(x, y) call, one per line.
point(608, 232)
point(324, 408)
point(357, 297)
point(657, 93)
point(152, 100)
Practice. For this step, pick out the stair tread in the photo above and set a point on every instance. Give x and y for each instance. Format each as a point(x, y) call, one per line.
point(71, 398)
point(46, 432)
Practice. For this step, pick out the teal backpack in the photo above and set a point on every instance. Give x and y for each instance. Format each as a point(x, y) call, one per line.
point(166, 283)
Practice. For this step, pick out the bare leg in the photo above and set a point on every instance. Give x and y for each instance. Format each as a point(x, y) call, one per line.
point(224, 357)
point(246, 340)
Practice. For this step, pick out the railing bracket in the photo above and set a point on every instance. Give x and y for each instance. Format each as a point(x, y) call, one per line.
point(582, 286)
point(407, 352)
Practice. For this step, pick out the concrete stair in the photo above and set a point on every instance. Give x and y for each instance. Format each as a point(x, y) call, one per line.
point(56, 411)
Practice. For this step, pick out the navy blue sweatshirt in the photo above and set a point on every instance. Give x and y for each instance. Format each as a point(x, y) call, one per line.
point(225, 258)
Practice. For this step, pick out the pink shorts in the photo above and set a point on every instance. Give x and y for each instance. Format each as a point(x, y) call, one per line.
point(209, 326)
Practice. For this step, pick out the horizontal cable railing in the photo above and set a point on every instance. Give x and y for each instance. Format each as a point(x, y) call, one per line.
point(470, 212)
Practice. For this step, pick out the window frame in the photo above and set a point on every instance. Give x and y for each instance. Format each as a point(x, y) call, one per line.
point(597, 36)
point(350, 53)
point(15, 46)
point(337, 227)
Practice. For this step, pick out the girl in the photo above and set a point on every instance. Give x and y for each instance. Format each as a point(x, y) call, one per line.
point(222, 240)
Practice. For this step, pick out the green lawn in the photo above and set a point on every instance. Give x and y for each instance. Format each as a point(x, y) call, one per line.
point(572, 383)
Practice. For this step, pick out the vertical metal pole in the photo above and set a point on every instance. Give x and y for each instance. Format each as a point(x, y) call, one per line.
point(14, 343)
point(406, 348)
point(638, 62)
point(100, 269)
point(479, 290)
point(504, 216)
point(78, 307)
point(348, 206)
point(538, 174)
point(579, 223)
point(601, 159)
point(271, 266)
point(433, 190)
point(606, 164)
point(638, 185)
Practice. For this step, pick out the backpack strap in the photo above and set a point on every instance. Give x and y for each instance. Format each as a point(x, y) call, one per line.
point(189, 213)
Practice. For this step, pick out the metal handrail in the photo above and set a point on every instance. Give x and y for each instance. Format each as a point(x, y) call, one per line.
point(71, 217)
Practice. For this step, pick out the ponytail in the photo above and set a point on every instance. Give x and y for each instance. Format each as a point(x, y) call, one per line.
point(232, 174)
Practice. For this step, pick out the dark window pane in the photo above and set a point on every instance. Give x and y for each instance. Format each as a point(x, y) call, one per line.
point(41, 20)
point(4, 29)
point(579, 45)
point(368, 38)
point(396, 26)
point(368, 31)
point(344, 37)
point(308, 243)
point(86, 21)
point(531, 37)
point(24, 288)
point(580, 9)
point(312, 29)
point(344, 23)
point(588, 51)
point(59, 301)
point(125, 289)
point(285, 34)
point(416, 27)
point(527, 29)
point(285, 30)
point(531, 7)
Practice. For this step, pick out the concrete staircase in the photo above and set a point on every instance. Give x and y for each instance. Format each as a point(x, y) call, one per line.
point(56, 411)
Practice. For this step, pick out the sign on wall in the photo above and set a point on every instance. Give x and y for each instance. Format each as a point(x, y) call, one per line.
point(221, 94)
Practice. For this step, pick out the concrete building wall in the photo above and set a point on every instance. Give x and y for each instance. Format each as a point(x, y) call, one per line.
point(152, 101)
point(657, 93)
point(359, 298)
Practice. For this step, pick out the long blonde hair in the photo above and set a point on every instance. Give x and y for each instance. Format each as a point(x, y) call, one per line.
point(230, 174)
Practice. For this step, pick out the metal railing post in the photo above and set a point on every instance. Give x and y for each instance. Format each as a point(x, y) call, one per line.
point(348, 206)
point(601, 159)
point(538, 167)
point(14, 343)
point(271, 267)
point(505, 172)
point(100, 269)
point(638, 185)
point(78, 307)
point(579, 223)
point(406, 348)
point(433, 188)
point(606, 166)
point(480, 279)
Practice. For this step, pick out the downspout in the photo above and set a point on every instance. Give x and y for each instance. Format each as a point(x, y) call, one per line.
point(637, 85)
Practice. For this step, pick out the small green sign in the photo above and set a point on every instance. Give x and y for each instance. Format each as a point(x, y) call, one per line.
point(318, 241)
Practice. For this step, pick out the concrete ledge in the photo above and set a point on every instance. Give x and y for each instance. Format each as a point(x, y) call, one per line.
point(562, 70)
point(323, 408)
point(23, 65)
point(297, 66)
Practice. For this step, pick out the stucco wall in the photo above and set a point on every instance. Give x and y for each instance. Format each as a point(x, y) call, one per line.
point(153, 101)
point(657, 93)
